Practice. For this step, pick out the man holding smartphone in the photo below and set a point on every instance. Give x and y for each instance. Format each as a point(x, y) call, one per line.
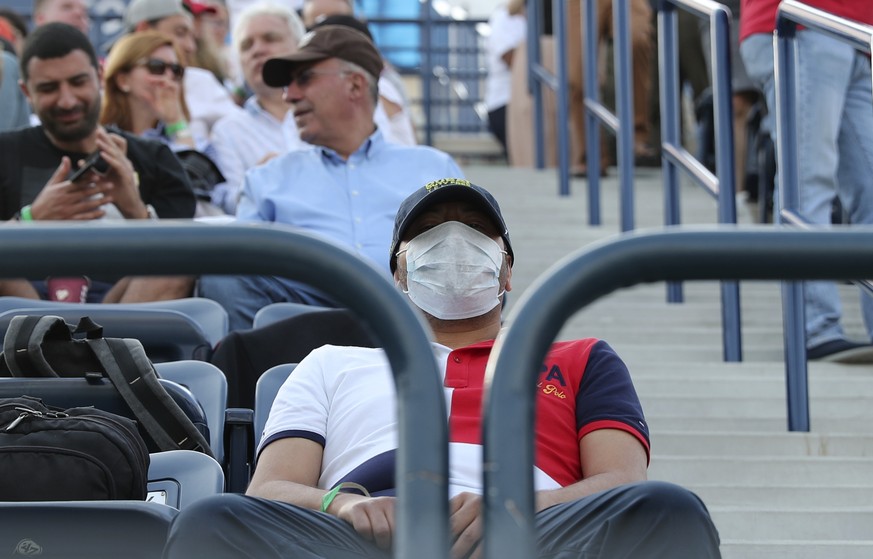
point(140, 179)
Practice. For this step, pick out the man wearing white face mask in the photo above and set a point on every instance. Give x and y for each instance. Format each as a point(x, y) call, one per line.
point(333, 426)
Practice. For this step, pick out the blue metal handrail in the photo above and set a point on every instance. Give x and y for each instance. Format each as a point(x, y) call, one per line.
point(721, 186)
point(193, 249)
point(790, 14)
point(721, 252)
point(539, 76)
point(597, 113)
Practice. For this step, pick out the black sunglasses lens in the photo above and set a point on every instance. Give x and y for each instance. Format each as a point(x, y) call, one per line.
point(156, 67)
point(159, 67)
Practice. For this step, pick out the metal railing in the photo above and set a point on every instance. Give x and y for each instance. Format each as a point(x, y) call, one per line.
point(538, 76)
point(792, 13)
point(194, 249)
point(597, 113)
point(751, 253)
point(675, 158)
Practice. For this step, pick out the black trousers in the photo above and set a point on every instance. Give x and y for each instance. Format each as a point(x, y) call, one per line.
point(648, 520)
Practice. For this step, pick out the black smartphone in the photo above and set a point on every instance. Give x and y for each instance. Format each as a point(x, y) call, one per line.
point(95, 162)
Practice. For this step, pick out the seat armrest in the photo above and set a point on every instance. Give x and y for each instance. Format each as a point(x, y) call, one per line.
point(239, 441)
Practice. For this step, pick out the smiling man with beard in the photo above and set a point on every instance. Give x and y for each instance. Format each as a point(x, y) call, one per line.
point(141, 179)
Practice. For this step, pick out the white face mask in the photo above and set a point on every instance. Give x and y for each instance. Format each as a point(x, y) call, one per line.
point(453, 271)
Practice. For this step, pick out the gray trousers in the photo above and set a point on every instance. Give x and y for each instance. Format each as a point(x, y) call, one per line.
point(648, 520)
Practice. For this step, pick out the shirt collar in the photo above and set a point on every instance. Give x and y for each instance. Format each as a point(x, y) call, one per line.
point(367, 150)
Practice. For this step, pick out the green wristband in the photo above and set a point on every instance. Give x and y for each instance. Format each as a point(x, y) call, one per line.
point(175, 128)
point(26, 214)
point(329, 497)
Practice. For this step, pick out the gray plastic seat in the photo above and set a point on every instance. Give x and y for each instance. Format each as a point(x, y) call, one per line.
point(265, 392)
point(274, 312)
point(169, 330)
point(112, 529)
point(177, 478)
point(209, 386)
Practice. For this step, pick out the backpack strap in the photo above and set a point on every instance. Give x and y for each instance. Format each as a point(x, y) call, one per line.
point(22, 346)
point(134, 376)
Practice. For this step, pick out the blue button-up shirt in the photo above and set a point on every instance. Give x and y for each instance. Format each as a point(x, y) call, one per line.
point(352, 201)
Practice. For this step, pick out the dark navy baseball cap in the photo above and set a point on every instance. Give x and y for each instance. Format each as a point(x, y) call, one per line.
point(445, 190)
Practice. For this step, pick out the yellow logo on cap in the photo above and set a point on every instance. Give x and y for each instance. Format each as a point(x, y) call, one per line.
point(433, 185)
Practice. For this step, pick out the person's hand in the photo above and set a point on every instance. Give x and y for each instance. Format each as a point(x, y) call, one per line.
point(121, 180)
point(371, 517)
point(465, 525)
point(61, 199)
point(167, 101)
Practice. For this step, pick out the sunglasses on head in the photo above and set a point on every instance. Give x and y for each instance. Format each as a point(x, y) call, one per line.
point(158, 67)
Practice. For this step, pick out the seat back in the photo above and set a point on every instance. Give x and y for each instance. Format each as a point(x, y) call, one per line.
point(177, 478)
point(274, 312)
point(209, 386)
point(265, 392)
point(129, 529)
point(85, 529)
point(169, 330)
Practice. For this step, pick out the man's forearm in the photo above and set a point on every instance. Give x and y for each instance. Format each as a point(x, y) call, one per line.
point(586, 487)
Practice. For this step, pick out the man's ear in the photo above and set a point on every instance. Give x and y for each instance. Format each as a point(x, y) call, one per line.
point(142, 26)
point(358, 85)
point(23, 86)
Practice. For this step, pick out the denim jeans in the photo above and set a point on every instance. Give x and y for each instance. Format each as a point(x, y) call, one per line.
point(243, 296)
point(834, 149)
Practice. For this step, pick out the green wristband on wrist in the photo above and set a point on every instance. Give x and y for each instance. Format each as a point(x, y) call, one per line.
point(175, 128)
point(331, 495)
point(26, 214)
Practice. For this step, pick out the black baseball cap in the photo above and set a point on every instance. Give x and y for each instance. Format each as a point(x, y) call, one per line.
point(323, 42)
point(445, 190)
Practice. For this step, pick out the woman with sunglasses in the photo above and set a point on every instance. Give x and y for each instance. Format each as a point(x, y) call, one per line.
point(143, 91)
point(143, 94)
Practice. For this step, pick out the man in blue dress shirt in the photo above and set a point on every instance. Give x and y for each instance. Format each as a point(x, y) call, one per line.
point(347, 187)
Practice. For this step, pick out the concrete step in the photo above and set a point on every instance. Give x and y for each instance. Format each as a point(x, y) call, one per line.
point(771, 523)
point(784, 496)
point(732, 444)
point(730, 405)
point(763, 470)
point(796, 549)
point(775, 424)
point(742, 385)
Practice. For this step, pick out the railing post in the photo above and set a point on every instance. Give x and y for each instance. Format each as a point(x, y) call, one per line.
point(427, 70)
point(559, 28)
point(725, 171)
point(624, 87)
point(668, 61)
point(592, 98)
point(534, 27)
point(796, 373)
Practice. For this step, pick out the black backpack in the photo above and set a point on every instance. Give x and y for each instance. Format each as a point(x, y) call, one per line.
point(43, 346)
point(51, 454)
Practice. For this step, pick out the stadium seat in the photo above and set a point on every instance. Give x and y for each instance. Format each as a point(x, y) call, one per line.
point(112, 529)
point(209, 386)
point(275, 312)
point(169, 330)
point(80, 529)
point(177, 478)
point(265, 392)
